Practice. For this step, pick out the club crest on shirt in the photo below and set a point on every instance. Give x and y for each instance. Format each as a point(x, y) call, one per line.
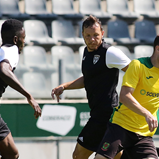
point(96, 59)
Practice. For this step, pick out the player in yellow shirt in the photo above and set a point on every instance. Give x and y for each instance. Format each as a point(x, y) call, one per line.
point(134, 121)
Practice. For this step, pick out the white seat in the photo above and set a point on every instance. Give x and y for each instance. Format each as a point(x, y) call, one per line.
point(37, 33)
point(146, 8)
point(64, 32)
point(10, 8)
point(120, 9)
point(65, 9)
point(10, 93)
point(38, 9)
point(93, 7)
point(143, 51)
point(69, 70)
point(35, 83)
point(126, 51)
point(35, 59)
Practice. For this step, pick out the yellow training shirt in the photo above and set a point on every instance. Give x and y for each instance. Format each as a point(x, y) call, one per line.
point(144, 78)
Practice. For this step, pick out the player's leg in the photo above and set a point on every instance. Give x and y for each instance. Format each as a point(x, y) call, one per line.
point(8, 149)
point(81, 153)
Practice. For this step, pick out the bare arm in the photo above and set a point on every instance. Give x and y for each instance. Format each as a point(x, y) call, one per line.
point(8, 76)
point(125, 68)
point(76, 84)
point(128, 100)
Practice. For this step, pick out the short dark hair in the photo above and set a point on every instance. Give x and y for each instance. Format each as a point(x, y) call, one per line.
point(10, 28)
point(90, 21)
point(156, 42)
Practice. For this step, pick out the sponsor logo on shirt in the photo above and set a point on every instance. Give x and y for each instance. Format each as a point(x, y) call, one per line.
point(96, 59)
point(105, 146)
point(150, 94)
point(149, 77)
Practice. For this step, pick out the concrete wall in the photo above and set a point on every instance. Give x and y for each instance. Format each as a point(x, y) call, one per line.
point(51, 148)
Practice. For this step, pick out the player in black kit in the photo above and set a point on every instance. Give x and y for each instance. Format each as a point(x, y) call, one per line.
point(100, 68)
point(13, 38)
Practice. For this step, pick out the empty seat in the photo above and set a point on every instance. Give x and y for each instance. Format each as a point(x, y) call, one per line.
point(69, 70)
point(38, 9)
point(10, 9)
point(143, 51)
point(93, 7)
point(119, 31)
point(35, 58)
point(64, 32)
point(145, 31)
point(37, 33)
point(65, 9)
point(126, 51)
point(35, 83)
point(146, 8)
point(120, 9)
point(10, 93)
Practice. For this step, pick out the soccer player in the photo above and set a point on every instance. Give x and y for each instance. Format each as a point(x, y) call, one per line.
point(100, 68)
point(13, 39)
point(134, 122)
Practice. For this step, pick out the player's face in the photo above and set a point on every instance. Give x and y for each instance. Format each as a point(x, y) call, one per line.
point(93, 37)
point(21, 40)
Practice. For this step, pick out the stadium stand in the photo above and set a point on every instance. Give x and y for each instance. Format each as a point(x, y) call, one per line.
point(63, 31)
point(65, 9)
point(119, 31)
point(145, 31)
point(35, 83)
point(143, 51)
point(37, 32)
point(146, 8)
point(69, 70)
point(38, 9)
point(120, 9)
point(10, 9)
point(12, 94)
point(35, 59)
point(126, 51)
point(93, 7)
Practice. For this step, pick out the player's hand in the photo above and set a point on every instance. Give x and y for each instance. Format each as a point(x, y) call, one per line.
point(57, 91)
point(36, 107)
point(152, 122)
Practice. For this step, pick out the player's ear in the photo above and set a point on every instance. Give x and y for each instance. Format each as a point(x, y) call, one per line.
point(102, 32)
point(15, 39)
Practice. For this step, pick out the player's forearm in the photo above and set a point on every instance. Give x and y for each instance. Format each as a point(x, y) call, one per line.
point(129, 101)
point(76, 84)
point(10, 79)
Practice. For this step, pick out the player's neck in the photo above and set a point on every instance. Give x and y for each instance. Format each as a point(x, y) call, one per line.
point(155, 60)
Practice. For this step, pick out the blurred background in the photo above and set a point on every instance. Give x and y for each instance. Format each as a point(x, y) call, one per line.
point(52, 55)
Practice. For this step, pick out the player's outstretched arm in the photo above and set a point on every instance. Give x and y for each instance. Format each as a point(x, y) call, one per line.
point(8, 76)
point(76, 84)
point(128, 100)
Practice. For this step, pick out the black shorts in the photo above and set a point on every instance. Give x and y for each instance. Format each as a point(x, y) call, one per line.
point(92, 134)
point(117, 138)
point(4, 130)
